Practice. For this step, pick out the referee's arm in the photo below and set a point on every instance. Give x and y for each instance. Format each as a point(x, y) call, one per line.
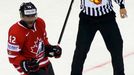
point(121, 3)
point(123, 11)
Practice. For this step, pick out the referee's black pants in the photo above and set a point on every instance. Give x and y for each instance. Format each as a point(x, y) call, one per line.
point(109, 30)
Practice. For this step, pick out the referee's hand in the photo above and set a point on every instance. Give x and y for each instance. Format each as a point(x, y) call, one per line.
point(123, 13)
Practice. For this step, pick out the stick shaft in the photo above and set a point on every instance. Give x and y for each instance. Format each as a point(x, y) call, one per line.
point(65, 22)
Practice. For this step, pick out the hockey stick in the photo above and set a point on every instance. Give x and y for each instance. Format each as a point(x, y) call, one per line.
point(66, 19)
point(65, 22)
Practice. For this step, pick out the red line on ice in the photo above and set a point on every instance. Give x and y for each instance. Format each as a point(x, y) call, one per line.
point(105, 63)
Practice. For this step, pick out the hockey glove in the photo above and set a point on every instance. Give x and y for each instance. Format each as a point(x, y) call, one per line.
point(53, 51)
point(29, 66)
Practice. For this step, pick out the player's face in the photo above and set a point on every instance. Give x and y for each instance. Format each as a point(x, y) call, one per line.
point(29, 19)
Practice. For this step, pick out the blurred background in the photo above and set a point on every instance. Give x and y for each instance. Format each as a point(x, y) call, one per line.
point(54, 13)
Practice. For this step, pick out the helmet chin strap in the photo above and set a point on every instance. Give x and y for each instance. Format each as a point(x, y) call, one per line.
point(29, 25)
point(30, 22)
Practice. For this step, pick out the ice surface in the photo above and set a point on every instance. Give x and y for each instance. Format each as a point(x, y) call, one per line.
point(54, 12)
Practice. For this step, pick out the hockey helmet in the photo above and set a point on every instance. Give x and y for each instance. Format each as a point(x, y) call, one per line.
point(28, 9)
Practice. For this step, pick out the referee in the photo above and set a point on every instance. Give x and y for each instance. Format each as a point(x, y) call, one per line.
point(98, 15)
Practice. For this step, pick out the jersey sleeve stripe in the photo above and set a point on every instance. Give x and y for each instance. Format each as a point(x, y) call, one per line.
point(22, 73)
point(12, 47)
point(44, 62)
point(11, 56)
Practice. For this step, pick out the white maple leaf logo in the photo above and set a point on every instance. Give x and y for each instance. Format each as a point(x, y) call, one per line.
point(34, 48)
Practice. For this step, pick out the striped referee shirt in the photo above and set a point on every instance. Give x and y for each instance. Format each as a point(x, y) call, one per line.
point(99, 7)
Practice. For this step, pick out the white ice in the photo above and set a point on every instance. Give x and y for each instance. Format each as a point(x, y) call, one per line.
point(54, 12)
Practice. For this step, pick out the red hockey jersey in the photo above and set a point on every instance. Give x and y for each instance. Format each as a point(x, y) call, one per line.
point(24, 43)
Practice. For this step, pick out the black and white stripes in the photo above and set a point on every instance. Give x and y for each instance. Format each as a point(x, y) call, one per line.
point(92, 9)
point(98, 11)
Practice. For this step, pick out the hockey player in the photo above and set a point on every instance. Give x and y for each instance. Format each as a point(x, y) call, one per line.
point(28, 46)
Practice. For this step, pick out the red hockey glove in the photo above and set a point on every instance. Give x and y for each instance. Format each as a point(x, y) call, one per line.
point(29, 66)
point(53, 51)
